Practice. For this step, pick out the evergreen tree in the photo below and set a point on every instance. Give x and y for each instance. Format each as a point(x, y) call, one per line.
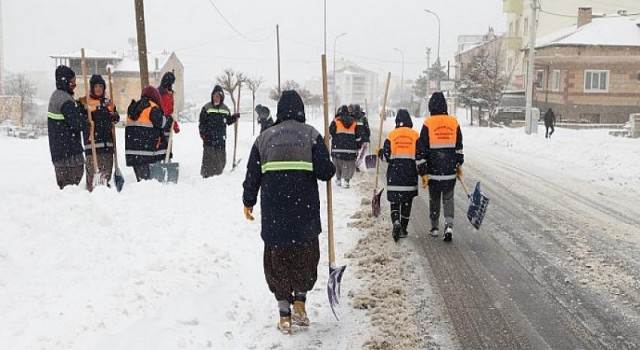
point(482, 82)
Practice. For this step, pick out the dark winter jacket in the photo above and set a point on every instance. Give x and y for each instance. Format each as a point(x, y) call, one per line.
point(549, 118)
point(66, 119)
point(214, 120)
point(442, 136)
point(362, 124)
point(103, 119)
point(344, 139)
point(402, 149)
point(144, 132)
point(264, 117)
point(285, 164)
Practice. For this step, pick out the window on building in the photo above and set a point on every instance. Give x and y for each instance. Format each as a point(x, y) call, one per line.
point(510, 28)
point(555, 80)
point(524, 28)
point(596, 81)
point(539, 79)
point(517, 26)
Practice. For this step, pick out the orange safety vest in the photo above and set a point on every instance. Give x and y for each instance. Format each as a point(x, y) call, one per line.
point(145, 117)
point(442, 131)
point(403, 143)
point(341, 129)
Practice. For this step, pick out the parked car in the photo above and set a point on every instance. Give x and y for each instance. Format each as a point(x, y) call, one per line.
point(512, 107)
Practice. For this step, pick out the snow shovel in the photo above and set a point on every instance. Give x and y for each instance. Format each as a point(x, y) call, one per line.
point(166, 171)
point(478, 203)
point(375, 201)
point(234, 164)
point(335, 272)
point(117, 175)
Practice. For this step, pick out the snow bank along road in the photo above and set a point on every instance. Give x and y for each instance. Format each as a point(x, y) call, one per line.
point(555, 265)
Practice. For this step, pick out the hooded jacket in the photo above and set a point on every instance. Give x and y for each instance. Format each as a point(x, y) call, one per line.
point(264, 117)
point(66, 119)
point(144, 129)
point(442, 136)
point(103, 118)
point(402, 150)
point(166, 92)
point(285, 164)
point(362, 124)
point(344, 138)
point(214, 120)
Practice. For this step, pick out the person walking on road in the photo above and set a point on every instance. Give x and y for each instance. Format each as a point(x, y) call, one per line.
point(285, 165)
point(442, 136)
point(344, 146)
point(549, 123)
point(362, 129)
point(401, 150)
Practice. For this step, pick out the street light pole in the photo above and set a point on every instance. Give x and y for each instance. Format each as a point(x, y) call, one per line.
point(334, 69)
point(437, 53)
point(401, 75)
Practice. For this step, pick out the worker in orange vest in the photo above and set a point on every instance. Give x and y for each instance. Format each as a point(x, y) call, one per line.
point(402, 149)
point(443, 138)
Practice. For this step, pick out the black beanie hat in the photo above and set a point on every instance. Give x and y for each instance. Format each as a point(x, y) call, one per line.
point(403, 118)
point(168, 79)
point(64, 75)
point(290, 106)
point(437, 104)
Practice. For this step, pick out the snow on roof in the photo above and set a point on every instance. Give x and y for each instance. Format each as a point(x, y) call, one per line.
point(604, 31)
point(92, 53)
point(130, 62)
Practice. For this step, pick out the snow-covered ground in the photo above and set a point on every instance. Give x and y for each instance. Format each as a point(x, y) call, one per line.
point(178, 267)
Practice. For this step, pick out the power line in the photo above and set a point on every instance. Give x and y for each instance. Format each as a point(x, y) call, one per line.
point(234, 28)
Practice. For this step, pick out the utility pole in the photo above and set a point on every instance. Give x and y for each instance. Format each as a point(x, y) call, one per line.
point(278, 42)
point(529, 122)
point(142, 44)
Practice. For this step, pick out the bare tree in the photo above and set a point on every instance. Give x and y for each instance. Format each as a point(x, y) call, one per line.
point(254, 85)
point(305, 94)
point(230, 80)
point(19, 85)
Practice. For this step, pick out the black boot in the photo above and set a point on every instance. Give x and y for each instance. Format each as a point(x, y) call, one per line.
point(397, 230)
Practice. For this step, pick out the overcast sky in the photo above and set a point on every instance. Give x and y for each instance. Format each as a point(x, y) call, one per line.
point(206, 44)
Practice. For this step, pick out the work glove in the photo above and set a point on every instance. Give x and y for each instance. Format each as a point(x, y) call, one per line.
point(235, 117)
point(202, 137)
point(459, 172)
point(176, 127)
point(379, 152)
point(247, 213)
point(425, 181)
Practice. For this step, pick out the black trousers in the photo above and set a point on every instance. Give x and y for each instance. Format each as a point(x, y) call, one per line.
point(547, 133)
point(291, 269)
point(401, 211)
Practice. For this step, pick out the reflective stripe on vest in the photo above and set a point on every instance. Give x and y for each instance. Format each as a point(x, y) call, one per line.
point(287, 165)
point(98, 145)
point(403, 143)
point(442, 177)
point(402, 188)
point(218, 110)
point(443, 131)
point(145, 153)
point(344, 151)
point(55, 116)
